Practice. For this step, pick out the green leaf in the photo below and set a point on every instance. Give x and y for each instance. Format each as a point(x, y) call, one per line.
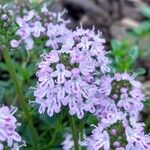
point(145, 10)
point(115, 44)
point(147, 103)
point(133, 54)
point(140, 71)
point(3, 66)
point(91, 120)
point(1, 94)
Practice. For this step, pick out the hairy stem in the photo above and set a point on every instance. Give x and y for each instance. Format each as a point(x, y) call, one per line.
point(20, 96)
point(74, 132)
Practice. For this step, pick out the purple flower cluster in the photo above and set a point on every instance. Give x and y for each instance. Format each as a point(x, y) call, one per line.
point(119, 134)
point(119, 103)
point(121, 92)
point(35, 25)
point(8, 125)
point(5, 17)
point(66, 73)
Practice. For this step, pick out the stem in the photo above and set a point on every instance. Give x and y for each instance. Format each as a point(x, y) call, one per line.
point(58, 127)
point(81, 129)
point(147, 123)
point(74, 132)
point(20, 96)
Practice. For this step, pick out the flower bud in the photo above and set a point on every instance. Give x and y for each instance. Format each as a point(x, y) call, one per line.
point(113, 132)
point(123, 90)
point(14, 43)
point(116, 144)
point(4, 17)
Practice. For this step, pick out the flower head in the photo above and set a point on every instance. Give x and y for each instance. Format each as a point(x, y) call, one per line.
point(8, 125)
point(73, 66)
point(124, 90)
point(121, 134)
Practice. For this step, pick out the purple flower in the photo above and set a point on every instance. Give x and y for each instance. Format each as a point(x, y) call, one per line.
point(52, 57)
point(67, 46)
point(37, 29)
point(29, 16)
point(21, 22)
point(76, 105)
point(86, 65)
point(124, 90)
point(113, 117)
point(73, 68)
point(68, 142)
point(8, 125)
point(138, 138)
point(42, 24)
point(85, 43)
point(44, 9)
point(24, 32)
point(105, 85)
point(61, 73)
point(4, 17)
point(98, 140)
point(76, 56)
point(29, 43)
point(14, 43)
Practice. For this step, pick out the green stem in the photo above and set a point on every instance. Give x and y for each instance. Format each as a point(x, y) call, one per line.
point(58, 127)
point(74, 132)
point(81, 129)
point(147, 123)
point(20, 96)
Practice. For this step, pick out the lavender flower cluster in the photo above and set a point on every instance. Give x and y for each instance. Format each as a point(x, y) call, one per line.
point(8, 125)
point(5, 17)
point(75, 73)
point(35, 25)
point(120, 101)
point(66, 73)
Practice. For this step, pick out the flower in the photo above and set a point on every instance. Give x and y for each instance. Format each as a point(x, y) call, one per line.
point(72, 71)
point(137, 137)
point(24, 32)
point(68, 142)
point(6, 19)
point(98, 140)
point(8, 125)
point(14, 43)
point(36, 25)
point(124, 90)
point(61, 73)
point(37, 29)
point(121, 134)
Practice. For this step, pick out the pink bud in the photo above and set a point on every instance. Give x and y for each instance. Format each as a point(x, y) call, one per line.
point(113, 132)
point(4, 17)
point(116, 144)
point(14, 43)
point(115, 96)
point(123, 90)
